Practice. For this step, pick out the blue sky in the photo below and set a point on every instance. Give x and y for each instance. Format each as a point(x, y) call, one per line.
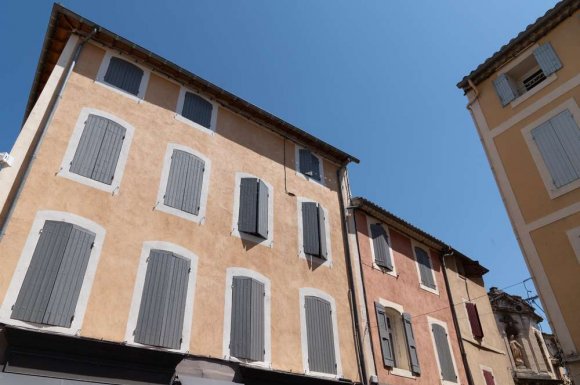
point(375, 78)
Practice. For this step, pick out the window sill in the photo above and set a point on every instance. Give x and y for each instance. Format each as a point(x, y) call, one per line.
point(253, 238)
point(321, 375)
point(113, 188)
point(245, 362)
point(402, 373)
point(179, 213)
point(429, 289)
point(135, 98)
point(318, 261)
point(310, 179)
point(516, 102)
point(384, 270)
point(191, 123)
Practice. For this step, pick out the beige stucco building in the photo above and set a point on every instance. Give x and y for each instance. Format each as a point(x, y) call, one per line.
point(524, 102)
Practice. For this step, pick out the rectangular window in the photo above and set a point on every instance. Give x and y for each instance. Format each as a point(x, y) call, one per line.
point(53, 281)
point(197, 109)
point(253, 212)
point(124, 75)
point(474, 320)
point(381, 246)
point(320, 334)
point(309, 164)
point(558, 141)
point(98, 151)
point(247, 324)
point(162, 309)
point(443, 353)
point(184, 184)
point(425, 268)
point(488, 376)
point(314, 230)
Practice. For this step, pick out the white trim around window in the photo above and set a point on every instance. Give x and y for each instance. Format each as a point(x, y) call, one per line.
point(183, 119)
point(301, 254)
point(138, 293)
point(26, 258)
point(160, 204)
point(553, 191)
point(100, 80)
point(428, 250)
point(305, 292)
point(268, 242)
point(320, 166)
point(372, 221)
point(487, 369)
point(431, 321)
point(242, 272)
point(73, 143)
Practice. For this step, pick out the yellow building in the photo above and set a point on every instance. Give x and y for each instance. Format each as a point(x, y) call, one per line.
point(524, 102)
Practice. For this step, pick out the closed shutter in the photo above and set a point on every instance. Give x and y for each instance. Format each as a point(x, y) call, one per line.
point(52, 283)
point(411, 346)
point(262, 210)
point(558, 140)
point(547, 59)
point(320, 335)
point(425, 267)
point(444, 353)
point(162, 308)
point(322, 232)
point(474, 320)
point(381, 246)
point(247, 324)
point(310, 228)
point(197, 109)
point(98, 150)
point(185, 182)
point(309, 164)
point(124, 75)
point(248, 214)
point(505, 89)
point(385, 336)
point(489, 379)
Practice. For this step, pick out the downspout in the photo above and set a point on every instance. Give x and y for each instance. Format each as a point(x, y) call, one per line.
point(52, 109)
point(352, 298)
point(474, 88)
point(449, 253)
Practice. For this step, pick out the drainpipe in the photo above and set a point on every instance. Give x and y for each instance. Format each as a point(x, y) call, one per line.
point(52, 109)
point(352, 297)
point(449, 253)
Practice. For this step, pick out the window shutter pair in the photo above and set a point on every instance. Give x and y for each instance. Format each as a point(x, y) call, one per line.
point(425, 268)
point(558, 140)
point(247, 326)
point(381, 246)
point(197, 109)
point(474, 320)
point(548, 61)
point(53, 281)
point(185, 181)
point(309, 163)
point(314, 230)
point(443, 353)
point(98, 150)
point(124, 75)
point(253, 214)
point(162, 309)
point(320, 335)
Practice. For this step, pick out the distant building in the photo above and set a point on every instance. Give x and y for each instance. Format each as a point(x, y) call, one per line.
point(524, 101)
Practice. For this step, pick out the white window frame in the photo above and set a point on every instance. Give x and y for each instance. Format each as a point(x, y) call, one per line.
point(545, 175)
point(268, 242)
point(320, 166)
point(315, 260)
point(574, 238)
point(73, 144)
point(399, 309)
point(160, 204)
point(430, 322)
point(103, 71)
point(373, 221)
point(24, 263)
point(428, 250)
point(487, 369)
point(138, 294)
point(242, 272)
point(178, 110)
point(309, 291)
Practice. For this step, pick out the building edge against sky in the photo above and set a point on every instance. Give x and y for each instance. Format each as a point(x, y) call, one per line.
point(524, 103)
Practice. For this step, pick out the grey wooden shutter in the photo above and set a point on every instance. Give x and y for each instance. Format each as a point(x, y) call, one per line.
point(558, 140)
point(197, 109)
point(444, 353)
point(248, 214)
point(124, 75)
point(381, 246)
point(98, 151)
point(505, 89)
point(323, 253)
point(320, 335)
point(425, 268)
point(547, 59)
point(385, 336)
point(310, 228)
point(162, 308)
point(309, 164)
point(185, 182)
point(262, 225)
point(247, 323)
point(52, 283)
point(411, 346)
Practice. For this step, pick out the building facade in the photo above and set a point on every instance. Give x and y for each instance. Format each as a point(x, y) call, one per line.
point(524, 102)
point(154, 220)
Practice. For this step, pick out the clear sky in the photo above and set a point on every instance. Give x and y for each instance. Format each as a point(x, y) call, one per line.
point(375, 78)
